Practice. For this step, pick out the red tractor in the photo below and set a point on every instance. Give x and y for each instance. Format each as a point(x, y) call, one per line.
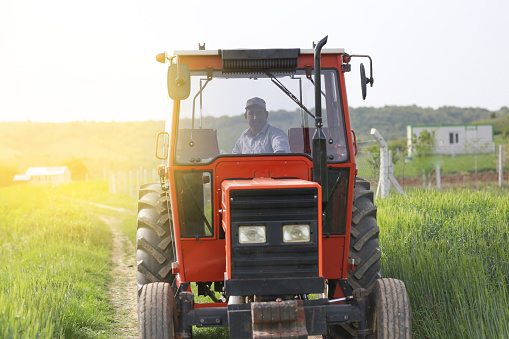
point(274, 228)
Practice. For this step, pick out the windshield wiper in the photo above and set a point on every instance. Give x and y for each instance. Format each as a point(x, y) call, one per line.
point(287, 92)
point(313, 82)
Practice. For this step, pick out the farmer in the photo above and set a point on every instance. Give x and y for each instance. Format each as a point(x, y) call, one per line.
point(260, 137)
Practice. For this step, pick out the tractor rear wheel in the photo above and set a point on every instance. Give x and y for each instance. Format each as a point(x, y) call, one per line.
point(154, 237)
point(364, 250)
point(156, 312)
point(392, 316)
point(364, 244)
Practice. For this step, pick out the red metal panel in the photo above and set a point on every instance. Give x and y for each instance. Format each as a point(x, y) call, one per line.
point(349, 218)
point(267, 183)
point(263, 167)
point(333, 252)
point(202, 62)
point(203, 260)
point(327, 60)
point(209, 305)
point(215, 61)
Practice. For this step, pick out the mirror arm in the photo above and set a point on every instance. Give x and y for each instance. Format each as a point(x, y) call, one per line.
point(370, 80)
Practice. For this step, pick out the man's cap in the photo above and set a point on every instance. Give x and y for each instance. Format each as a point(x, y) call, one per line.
point(256, 102)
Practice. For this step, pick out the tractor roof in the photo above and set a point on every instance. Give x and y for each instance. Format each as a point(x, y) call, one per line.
point(272, 51)
point(242, 60)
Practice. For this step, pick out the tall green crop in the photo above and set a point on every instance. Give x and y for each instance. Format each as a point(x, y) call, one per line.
point(451, 251)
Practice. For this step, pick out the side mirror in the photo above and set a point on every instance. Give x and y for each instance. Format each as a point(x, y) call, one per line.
point(364, 82)
point(162, 145)
point(179, 81)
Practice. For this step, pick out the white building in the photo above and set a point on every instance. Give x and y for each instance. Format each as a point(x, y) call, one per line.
point(456, 139)
point(53, 176)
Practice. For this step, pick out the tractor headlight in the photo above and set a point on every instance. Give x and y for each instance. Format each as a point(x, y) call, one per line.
point(296, 233)
point(252, 235)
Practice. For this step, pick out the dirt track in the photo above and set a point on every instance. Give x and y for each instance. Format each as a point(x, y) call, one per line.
point(123, 287)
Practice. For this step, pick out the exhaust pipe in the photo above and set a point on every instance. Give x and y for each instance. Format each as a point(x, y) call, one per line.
point(319, 141)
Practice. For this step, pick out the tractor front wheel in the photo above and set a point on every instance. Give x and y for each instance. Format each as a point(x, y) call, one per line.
point(392, 315)
point(156, 312)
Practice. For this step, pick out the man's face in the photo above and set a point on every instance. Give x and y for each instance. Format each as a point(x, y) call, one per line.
point(256, 118)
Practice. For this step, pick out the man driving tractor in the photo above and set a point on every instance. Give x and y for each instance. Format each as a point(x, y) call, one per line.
point(260, 137)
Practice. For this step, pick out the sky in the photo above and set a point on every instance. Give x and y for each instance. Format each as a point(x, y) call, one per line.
point(64, 60)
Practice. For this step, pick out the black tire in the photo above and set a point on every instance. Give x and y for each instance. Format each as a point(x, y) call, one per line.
point(364, 243)
point(154, 244)
point(392, 313)
point(156, 312)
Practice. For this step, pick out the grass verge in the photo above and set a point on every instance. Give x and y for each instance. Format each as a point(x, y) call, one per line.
point(55, 267)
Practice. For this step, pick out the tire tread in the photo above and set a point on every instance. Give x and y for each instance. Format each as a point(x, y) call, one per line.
point(156, 311)
point(154, 243)
point(393, 312)
point(364, 243)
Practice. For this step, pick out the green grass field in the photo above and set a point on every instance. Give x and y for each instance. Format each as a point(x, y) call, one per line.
point(450, 249)
point(55, 267)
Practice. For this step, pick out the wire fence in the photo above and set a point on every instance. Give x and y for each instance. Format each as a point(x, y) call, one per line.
point(368, 168)
point(128, 182)
point(368, 162)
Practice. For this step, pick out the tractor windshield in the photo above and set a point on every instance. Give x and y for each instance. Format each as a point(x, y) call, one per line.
point(214, 120)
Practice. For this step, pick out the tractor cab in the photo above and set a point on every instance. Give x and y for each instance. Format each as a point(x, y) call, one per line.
point(214, 117)
point(258, 203)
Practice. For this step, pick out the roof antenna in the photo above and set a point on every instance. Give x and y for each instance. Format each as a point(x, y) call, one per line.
point(201, 47)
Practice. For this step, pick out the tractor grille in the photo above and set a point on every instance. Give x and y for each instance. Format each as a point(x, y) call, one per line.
point(274, 208)
point(260, 59)
point(273, 204)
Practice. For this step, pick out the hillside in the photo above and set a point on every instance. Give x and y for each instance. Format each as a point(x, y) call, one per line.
point(391, 121)
point(500, 121)
point(130, 145)
point(110, 145)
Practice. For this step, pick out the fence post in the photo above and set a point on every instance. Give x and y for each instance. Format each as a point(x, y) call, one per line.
point(383, 182)
point(113, 183)
point(131, 183)
point(386, 168)
point(500, 167)
point(439, 181)
point(124, 177)
point(393, 180)
point(137, 182)
point(384, 173)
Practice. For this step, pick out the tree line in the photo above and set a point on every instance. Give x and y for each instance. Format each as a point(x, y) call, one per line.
point(128, 145)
